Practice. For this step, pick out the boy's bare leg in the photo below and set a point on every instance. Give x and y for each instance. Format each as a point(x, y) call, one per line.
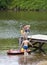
point(25, 53)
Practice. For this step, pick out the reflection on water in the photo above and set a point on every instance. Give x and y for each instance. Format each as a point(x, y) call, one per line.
point(8, 29)
point(20, 59)
point(11, 28)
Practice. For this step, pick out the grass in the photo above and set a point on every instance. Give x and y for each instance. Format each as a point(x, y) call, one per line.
point(8, 44)
point(24, 15)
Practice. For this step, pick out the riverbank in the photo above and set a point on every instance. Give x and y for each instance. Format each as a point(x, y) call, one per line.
point(6, 44)
point(24, 15)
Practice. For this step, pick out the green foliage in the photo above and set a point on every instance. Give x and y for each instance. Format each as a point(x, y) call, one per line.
point(24, 4)
point(2, 2)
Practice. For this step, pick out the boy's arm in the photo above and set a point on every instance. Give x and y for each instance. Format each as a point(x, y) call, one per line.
point(30, 44)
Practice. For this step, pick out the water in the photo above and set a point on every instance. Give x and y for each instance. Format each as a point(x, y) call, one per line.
point(20, 59)
point(7, 29)
point(11, 28)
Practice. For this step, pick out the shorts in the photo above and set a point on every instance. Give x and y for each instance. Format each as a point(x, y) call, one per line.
point(25, 47)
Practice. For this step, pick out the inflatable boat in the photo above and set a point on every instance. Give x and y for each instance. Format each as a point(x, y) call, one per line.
point(17, 52)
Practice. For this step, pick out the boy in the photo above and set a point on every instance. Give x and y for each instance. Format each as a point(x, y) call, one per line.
point(25, 45)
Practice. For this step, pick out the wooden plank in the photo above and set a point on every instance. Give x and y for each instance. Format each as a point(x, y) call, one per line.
point(38, 38)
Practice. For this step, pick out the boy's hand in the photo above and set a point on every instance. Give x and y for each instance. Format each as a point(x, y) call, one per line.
point(31, 45)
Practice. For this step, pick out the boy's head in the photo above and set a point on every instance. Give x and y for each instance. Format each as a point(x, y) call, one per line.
point(25, 38)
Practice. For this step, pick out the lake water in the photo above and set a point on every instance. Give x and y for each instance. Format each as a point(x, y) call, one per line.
point(11, 28)
point(32, 59)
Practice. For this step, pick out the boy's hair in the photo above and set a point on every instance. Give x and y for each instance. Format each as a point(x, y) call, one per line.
point(25, 38)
